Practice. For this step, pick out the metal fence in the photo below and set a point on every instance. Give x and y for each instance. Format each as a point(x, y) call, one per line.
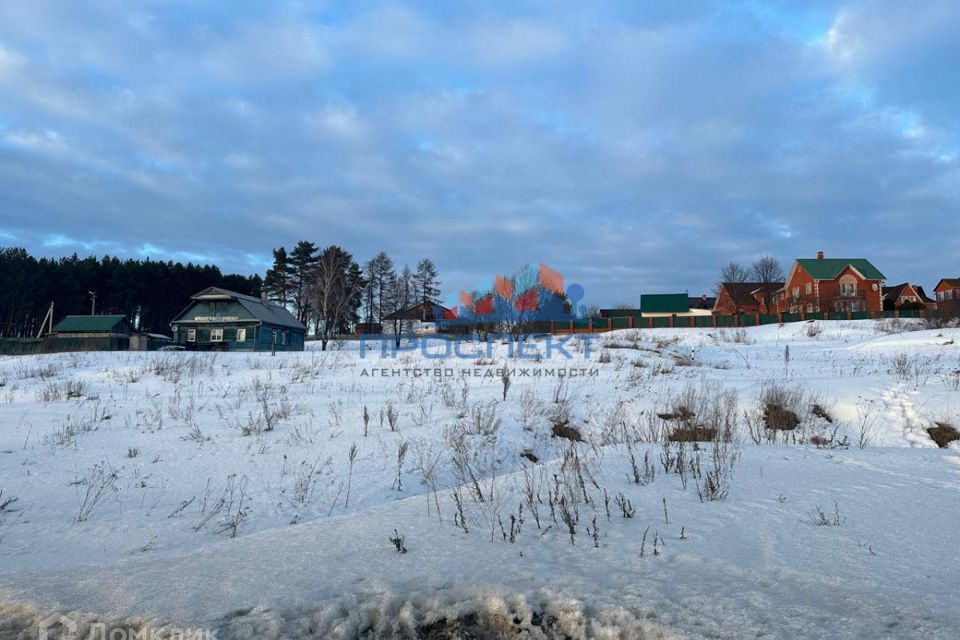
point(600, 325)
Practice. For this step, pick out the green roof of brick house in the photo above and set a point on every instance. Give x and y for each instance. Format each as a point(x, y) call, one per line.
point(88, 324)
point(664, 303)
point(830, 268)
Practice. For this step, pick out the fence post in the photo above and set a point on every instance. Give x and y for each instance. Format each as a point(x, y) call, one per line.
point(630, 322)
point(713, 320)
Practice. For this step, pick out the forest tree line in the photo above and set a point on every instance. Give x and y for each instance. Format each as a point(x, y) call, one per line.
point(146, 291)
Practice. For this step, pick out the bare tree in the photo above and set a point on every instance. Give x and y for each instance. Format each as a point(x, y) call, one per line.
point(767, 271)
point(732, 276)
point(399, 298)
point(335, 290)
point(734, 272)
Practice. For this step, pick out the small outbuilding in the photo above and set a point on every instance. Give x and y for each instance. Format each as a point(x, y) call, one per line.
point(222, 320)
point(91, 333)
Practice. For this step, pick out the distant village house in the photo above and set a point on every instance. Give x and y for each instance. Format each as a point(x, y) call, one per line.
point(824, 285)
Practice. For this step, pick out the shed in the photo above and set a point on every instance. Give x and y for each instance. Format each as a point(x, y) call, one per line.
point(664, 304)
point(92, 333)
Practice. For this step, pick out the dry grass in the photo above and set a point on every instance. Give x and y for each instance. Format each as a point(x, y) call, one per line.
point(943, 434)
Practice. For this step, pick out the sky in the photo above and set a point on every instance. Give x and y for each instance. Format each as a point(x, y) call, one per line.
point(635, 147)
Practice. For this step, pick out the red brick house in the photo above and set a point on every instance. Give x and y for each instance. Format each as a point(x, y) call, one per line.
point(948, 296)
point(831, 284)
point(746, 297)
point(904, 296)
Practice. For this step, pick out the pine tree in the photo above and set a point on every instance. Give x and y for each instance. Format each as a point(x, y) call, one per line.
point(427, 284)
point(303, 262)
point(379, 273)
point(278, 282)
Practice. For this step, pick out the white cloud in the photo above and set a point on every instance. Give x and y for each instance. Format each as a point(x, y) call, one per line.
point(10, 61)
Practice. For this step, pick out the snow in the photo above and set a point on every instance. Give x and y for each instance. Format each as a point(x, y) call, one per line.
point(169, 430)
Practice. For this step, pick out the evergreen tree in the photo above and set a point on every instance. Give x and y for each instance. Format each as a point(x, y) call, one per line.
point(278, 282)
point(427, 284)
point(380, 274)
point(303, 262)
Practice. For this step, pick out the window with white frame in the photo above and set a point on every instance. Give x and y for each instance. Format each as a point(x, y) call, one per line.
point(191, 335)
point(809, 308)
point(796, 292)
point(848, 286)
point(809, 288)
point(241, 335)
point(216, 335)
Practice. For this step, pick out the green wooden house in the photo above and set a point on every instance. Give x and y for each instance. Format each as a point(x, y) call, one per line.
point(222, 320)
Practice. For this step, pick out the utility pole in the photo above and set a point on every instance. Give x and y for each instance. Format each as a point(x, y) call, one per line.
point(47, 319)
point(93, 302)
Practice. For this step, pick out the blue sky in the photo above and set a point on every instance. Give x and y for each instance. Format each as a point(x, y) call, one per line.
point(634, 147)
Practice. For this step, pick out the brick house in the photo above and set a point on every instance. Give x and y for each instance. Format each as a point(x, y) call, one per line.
point(831, 284)
point(905, 296)
point(948, 296)
point(746, 297)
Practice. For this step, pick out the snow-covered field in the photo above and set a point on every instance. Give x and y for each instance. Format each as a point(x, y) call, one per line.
point(248, 494)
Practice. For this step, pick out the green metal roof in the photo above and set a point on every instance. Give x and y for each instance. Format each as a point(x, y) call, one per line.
point(830, 268)
point(80, 324)
point(664, 303)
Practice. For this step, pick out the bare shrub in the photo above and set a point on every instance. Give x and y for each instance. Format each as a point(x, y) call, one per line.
point(482, 419)
point(100, 482)
point(823, 519)
point(530, 406)
point(699, 413)
point(229, 506)
point(782, 406)
point(392, 414)
point(398, 543)
point(560, 411)
point(867, 417)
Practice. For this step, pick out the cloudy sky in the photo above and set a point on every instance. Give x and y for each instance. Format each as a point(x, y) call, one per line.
point(633, 146)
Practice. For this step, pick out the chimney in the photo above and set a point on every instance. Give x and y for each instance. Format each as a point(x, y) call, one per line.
point(819, 255)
